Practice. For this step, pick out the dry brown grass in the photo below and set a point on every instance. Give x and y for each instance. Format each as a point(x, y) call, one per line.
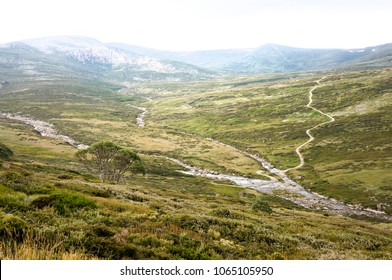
point(38, 247)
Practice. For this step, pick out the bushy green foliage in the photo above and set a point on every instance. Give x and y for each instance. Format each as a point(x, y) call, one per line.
point(64, 202)
point(5, 152)
point(11, 226)
point(154, 225)
point(23, 182)
point(261, 205)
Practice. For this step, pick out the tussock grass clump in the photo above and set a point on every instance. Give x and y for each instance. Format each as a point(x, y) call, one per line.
point(63, 202)
point(5, 152)
point(261, 204)
point(12, 227)
point(24, 182)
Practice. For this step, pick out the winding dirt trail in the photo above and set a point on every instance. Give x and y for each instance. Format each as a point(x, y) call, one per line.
point(311, 137)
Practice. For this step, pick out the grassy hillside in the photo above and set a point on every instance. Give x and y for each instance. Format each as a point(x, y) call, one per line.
point(49, 211)
point(350, 158)
point(88, 111)
point(51, 207)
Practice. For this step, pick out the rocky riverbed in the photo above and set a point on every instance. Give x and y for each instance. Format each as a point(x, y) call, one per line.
point(43, 128)
point(140, 117)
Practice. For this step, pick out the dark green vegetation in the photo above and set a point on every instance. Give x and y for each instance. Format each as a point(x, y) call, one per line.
point(52, 207)
point(5, 152)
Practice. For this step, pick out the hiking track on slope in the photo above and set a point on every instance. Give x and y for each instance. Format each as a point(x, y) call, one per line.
point(311, 137)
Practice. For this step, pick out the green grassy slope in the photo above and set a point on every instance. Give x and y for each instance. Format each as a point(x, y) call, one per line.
point(49, 211)
point(350, 158)
point(90, 110)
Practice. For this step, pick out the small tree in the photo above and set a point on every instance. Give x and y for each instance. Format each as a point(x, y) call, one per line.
point(110, 161)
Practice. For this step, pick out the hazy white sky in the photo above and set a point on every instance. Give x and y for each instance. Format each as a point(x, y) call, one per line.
point(203, 24)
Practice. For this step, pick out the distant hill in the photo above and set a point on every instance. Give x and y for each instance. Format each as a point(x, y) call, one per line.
point(88, 57)
point(379, 56)
point(277, 58)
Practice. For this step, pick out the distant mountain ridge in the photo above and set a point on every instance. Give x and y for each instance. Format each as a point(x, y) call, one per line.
point(123, 62)
point(276, 58)
point(101, 61)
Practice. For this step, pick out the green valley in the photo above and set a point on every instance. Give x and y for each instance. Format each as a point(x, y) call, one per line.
point(214, 146)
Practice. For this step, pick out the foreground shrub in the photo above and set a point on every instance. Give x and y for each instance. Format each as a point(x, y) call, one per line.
point(63, 202)
point(5, 152)
point(23, 183)
point(11, 227)
point(261, 205)
point(37, 245)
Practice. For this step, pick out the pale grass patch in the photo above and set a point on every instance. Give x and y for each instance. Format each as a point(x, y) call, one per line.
point(121, 205)
point(38, 247)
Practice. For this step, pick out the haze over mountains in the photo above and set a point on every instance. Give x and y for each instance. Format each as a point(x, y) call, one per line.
point(122, 62)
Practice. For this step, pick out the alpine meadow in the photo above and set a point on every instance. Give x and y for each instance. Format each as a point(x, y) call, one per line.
point(112, 151)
